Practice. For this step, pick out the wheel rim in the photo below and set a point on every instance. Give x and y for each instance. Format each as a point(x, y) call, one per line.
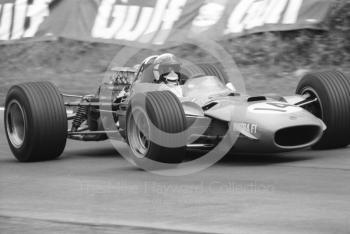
point(315, 107)
point(16, 123)
point(138, 133)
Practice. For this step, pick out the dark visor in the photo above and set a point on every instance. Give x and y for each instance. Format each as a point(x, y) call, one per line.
point(168, 68)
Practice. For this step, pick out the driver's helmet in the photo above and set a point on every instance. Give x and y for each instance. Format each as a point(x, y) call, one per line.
point(167, 69)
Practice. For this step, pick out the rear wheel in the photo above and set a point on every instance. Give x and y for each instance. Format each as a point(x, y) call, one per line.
point(329, 96)
point(35, 121)
point(154, 130)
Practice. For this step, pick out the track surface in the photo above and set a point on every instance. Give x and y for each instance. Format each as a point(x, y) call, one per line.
point(92, 189)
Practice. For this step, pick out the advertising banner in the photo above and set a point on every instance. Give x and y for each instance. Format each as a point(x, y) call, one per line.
point(145, 22)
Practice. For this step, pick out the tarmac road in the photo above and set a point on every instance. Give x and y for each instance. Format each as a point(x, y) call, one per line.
point(92, 189)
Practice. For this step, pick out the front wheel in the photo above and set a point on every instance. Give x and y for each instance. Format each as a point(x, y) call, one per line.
point(35, 121)
point(155, 121)
point(329, 96)
point(206, 69)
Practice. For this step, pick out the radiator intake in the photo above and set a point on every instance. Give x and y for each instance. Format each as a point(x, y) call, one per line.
point(297, 136)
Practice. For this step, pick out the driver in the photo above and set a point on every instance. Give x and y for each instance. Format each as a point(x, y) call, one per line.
point(167, 69)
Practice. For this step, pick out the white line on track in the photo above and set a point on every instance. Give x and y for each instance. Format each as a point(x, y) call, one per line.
point(2, 108)
point(154, 228)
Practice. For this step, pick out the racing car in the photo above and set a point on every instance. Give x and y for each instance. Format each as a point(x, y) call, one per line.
point(162, 109)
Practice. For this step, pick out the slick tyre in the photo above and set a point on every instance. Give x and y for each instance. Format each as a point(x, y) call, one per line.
point(205, 69)
point(213, 70)
point(35, 121)
point(155, 125)
point(331, 89)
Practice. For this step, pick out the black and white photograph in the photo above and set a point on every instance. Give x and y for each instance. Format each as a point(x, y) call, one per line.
point(175, 116)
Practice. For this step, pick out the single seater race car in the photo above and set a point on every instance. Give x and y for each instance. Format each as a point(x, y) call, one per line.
point(161, 121)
